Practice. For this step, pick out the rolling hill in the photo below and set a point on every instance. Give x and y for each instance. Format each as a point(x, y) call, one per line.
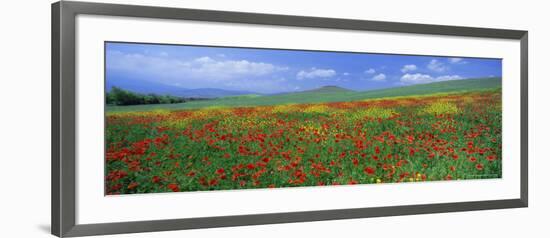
point(147, 87)
point(328, 94)
point(437, 87)
point(328, 89)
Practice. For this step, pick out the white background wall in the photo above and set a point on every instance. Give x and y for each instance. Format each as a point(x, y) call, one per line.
point(25, 117)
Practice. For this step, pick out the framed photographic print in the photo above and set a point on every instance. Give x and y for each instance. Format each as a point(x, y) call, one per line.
point(167, 119)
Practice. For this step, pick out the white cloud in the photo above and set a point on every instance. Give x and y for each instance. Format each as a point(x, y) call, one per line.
point(408, 68)
point(315, 73)
point(204, 60)
point(448, 77)
point(345, 74)
point(379, 77)
point(370, 71)
point(240, 67)
point(197, 72)
point(437, 66)
point(425, 78)
point(457, 61)
point(205, 68)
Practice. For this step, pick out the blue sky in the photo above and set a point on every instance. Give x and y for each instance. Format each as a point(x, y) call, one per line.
point(275, 71)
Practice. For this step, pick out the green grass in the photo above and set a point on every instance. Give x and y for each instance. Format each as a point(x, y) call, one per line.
point(325, 94)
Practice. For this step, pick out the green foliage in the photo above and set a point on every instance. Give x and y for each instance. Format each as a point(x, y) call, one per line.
point(118, 96)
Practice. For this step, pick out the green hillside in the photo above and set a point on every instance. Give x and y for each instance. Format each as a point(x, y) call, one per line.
point(326, 94)
point(244, 96)
point(437, 87)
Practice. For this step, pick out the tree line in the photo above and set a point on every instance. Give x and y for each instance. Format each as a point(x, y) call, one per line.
point(119, 96)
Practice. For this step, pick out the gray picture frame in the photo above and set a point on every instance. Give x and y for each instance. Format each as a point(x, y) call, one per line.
point(63, 213)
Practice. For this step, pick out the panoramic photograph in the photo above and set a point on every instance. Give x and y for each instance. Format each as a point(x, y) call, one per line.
point(182, 118)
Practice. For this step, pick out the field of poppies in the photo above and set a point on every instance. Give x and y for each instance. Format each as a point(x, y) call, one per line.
point(391, 140)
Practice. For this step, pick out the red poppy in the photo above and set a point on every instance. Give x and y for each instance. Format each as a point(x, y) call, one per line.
point(156, 179)
point(473, 159)
point(132, 185)
point(479, 166)
point(213, 182)
point(116, 187)
point(116, 175)
point(351, 182)
point(370, 170)
point(355, 161)
point(174, 187)
point(220, 171)
point(134, 165)
point(342, 155)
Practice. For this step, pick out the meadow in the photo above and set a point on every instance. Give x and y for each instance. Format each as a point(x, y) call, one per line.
point(322, 95)
point(441, 131)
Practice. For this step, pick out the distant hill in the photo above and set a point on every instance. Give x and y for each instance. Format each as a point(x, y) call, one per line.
point(328, 89)
point(212, 93)
point(437, 87)
point(321, 95)
point(147, 87)
point(243, 96)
